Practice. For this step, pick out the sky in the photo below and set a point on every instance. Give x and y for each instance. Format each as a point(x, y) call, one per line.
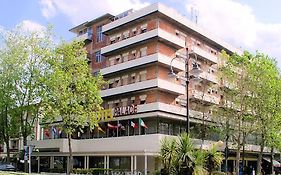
point(246, 24)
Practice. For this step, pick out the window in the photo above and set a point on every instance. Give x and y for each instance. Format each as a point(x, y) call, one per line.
point(110, 104)
point(144, 28)
point(125, 79)
point(133, 100)
point(143, 75)
point(134, 31)
point(133, 78)
point(99, 34)
point(134, 54)
point(117, 82)
point(116, 102)
point(110, 84)
point(111, 61)
point(126, 34)
point(118, 59)
point(98, 57)
point(124, 101)
point(125, 57)
point(142, 99)
point(112, 39)
point(143, 51)
point(118, 37)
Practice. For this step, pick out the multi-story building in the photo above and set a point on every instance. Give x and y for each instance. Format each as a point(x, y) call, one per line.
point(143, 104)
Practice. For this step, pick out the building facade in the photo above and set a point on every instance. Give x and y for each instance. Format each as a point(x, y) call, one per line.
point(143, 103)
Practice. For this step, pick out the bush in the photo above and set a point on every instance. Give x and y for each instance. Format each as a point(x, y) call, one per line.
point(218, 173)
point(93, 171)
point(56, 170)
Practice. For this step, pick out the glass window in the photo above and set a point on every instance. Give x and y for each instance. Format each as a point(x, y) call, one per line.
point(98, 57)
point(99, 34)
point(78, 162)
point(44, 164)
point(96, 162)
point(120, 163)
point(60, 163)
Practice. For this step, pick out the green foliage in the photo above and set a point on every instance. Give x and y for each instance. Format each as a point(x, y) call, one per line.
point(179, 156)
point(73, 94)
point(218, 173)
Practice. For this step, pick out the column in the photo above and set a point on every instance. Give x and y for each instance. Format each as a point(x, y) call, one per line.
point(145, 164)
point(38, 164)
point(132, 164)
point(135, 164)
point(105, 161)
point(85, 162)
point(52, 160)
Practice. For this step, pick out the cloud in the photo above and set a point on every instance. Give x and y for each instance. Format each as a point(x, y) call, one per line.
point(81, 11)
point(237, 24)
point(31, 26)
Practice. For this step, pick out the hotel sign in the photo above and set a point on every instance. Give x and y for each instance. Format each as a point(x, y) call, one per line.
point(108, 114)
point(125, 110)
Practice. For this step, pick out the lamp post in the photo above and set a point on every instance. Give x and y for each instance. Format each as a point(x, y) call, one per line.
point(195, 72)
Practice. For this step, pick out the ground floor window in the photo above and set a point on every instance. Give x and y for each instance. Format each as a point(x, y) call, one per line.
point(96, 162)
point(120, 163)
point(60, 163)
point(78, 161)
point(44, 164)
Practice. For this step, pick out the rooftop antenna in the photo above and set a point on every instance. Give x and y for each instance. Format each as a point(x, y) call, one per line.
point(194, 14)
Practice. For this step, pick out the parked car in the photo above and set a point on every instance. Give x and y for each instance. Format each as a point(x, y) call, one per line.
point(7, 167)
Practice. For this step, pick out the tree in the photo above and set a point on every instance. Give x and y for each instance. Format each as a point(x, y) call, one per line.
point(24, 58)
point(233, 114)
point(73, 94)
point(265, 100)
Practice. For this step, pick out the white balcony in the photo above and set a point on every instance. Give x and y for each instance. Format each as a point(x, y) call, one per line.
point(157, 57)
point(139, 144)
point(113, 145)
point(166, 36)
point(209, 77)
point(205, 97)
point(204, 54)
point(85, 36)
point(154, 83)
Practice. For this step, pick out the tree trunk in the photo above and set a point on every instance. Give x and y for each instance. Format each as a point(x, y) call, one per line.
point(238, 154)
point(271, 161)
point(243, 151)
point(25, 161)
point(70, 159)
point(260, 157)
point(7, 142)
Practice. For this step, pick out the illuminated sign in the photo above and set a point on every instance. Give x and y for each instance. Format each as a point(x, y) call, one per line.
point(104, 115)
point(125, 110)
point(108, 114)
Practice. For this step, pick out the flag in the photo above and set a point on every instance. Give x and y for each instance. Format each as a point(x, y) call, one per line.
point(134, 125)
point(46, 132)
point(100, 129)
point(141, 122)
point(112, 126)
point(54, 130)
point(121, 126)
point(59, 132)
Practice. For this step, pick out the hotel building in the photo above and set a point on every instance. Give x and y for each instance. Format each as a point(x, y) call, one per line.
point(143, 104)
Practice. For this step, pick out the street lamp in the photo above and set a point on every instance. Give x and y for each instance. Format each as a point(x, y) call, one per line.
point(195, 71)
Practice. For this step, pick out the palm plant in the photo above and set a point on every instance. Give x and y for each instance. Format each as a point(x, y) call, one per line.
point(168, 154)
point(179, 157)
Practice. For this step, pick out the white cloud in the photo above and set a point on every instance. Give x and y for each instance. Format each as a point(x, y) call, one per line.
point(237, 24)
point(81, 11)
point(31, 26)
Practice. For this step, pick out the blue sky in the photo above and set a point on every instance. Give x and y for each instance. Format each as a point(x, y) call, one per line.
point(246, 24)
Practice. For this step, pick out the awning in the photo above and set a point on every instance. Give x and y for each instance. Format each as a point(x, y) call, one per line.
point(275, 162)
